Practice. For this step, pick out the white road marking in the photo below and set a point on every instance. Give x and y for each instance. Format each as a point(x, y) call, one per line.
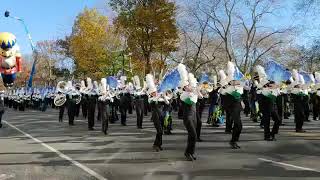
point(76, 163)
point(289, 165)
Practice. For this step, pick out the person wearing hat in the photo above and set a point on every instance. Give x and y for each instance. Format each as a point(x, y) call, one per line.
point(315, 97)
point(167, 117)
point(104, 102)
point(232, 92)
point(254, 114)
point(138, 101)
point(189, 98)
point(156, 116)
point(199, 105)
point(268, 91)
point(299, 95)
point(92, 96)
point(124, 100)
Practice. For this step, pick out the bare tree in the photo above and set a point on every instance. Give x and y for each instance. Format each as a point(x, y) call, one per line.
point(199, 45)
point(220, 13)
point(241, 26)
point(258, 40)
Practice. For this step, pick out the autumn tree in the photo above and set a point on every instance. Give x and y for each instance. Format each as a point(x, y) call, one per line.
point(87, 44)
point(150, 28)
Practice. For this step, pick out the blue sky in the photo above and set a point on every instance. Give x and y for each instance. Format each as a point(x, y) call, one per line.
point(46, 19)
point(52, 19)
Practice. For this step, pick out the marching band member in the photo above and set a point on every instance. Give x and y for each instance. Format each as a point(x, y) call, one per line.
point(78, 105)
point(124, 100)
point(315, 98)
point(146, 105)
point(199, 104)
point(299, 96)
point(84, 100)
point(232, 91)
point(72, 96)
point(268, 91)
point(189, 99)
point(61, 109)
point(138, 101)
point(92, 96)
point(167, 117)
point(155, 103)
point(104, 102)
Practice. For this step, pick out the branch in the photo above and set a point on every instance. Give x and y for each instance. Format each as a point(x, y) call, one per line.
point(267, 50)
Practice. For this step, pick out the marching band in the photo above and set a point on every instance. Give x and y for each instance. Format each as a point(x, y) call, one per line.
point(265, 96)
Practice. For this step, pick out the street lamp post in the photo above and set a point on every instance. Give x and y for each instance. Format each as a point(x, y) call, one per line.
point(7, 14)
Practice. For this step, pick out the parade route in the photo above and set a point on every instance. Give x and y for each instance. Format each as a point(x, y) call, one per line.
point(35, 146)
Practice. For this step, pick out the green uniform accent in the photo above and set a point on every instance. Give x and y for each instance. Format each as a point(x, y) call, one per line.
point(236, 95)
point(272, 97)
point(301, 94)
point(189, 101)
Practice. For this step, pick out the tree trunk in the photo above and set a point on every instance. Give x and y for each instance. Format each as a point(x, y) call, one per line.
point(148, 66)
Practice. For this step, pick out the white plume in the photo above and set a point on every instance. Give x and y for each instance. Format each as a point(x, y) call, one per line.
point(312, 78)
point(301, 79)
point(295, 75)
point(103, 85)
point(261, 72)
point(192, 80)
point(136, 82)
point(317, 76)
point(183, 75)
point(223, 78)
point(215, 80)
point(83, 84)
point(230, 70)
point(95, 84)
point(150, 84)
point(123, 80)
point(89, 83)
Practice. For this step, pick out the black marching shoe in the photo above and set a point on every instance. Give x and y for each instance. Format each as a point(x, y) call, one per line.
point(300, 131)
point(156, 148)
point(188, 156)
point(193, 157)
point(272, 138)
point(234, 145)
point(199, 140)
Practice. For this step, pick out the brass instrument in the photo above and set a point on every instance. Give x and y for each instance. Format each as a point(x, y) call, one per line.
point(60, 99)
point(205, 89)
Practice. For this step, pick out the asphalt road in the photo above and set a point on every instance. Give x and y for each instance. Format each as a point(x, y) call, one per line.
point(35, 146)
